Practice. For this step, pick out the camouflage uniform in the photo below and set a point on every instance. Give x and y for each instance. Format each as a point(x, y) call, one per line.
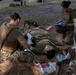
point(41, 38)
point(42, 44)
point(67, 17)
point(12, 53)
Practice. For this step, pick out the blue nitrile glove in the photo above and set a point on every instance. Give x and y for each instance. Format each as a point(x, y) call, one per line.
point(55, 23)
point(63, 24)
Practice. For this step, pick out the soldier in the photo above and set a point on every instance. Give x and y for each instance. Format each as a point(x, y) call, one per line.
point(67, 16)
point(9, 35)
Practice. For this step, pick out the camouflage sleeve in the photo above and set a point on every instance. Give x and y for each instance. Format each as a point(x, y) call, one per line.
point(18, 35)
point(73, 14)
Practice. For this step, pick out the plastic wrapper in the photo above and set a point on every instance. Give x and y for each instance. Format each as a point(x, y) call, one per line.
point(62, 56)
point(48, 67)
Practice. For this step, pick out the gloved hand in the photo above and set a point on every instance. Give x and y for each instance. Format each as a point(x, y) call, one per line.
point(63, 24)
point(56, 23)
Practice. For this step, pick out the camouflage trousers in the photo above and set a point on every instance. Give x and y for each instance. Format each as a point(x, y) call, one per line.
point(17, 56)
point(67, 33)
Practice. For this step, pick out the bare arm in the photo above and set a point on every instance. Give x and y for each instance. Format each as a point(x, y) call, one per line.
point(65, 47)
point(70, 24)
point(24, 43)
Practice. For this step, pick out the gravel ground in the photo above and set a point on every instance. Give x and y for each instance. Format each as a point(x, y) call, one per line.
point(44, 14)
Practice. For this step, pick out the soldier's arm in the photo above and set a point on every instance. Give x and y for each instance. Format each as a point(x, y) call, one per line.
point(70, 24)
point(19, 36)
point(65, 47)
point(24, 43)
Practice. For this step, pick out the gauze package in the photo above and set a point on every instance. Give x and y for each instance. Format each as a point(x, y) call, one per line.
point(62, 56)
point(48, 67)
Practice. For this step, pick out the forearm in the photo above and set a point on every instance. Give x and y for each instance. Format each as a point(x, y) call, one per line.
point(64, 47)
point(24, 43)
point(70, 24)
